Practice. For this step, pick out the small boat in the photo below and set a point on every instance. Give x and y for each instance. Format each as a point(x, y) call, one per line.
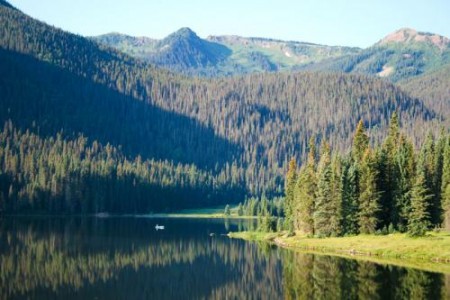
point(102, 215)
point(159, 227)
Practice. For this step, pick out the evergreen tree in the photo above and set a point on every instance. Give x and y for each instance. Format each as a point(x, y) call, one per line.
point(322, 205)
point(405, 161)
point(437, 214)
point(388, 175)
point(305, 193)
point(291, 179)
point(360, 142)
point(336, 196)
point(240, 210)
point(350, 197)
point(227, 210)
point(427, 167)
point(445, 184)
point(419, 217)
point(369, 197)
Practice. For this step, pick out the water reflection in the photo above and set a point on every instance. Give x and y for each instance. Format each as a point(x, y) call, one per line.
point(126, 258)
point(308, 276)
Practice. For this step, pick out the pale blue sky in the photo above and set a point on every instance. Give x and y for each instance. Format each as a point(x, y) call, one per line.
point(334, 22)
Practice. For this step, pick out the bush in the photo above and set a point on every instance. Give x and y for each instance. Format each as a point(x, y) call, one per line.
point(227, 211)
point(391, 228)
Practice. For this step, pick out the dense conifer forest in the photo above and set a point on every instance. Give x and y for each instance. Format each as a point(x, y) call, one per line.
point(385, 187)
point(57, 175)
point(237, 134)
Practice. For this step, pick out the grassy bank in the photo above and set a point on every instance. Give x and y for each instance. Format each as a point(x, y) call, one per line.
point(215, 212)
point(431, 252)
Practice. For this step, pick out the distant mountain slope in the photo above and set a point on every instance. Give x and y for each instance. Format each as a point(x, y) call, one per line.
point(237, 134)
point(183, 51)
point(433, 89)
point(403, 54)
point(260, 54)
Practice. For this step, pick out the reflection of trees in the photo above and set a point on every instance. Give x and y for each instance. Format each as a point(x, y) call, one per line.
point(415, 284)
point(118, 258)
point(215, 267)
point(307, 276)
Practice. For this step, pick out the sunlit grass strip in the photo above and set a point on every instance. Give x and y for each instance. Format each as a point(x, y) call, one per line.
point(431, 252)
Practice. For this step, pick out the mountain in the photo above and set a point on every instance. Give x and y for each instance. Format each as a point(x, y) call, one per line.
point(180, 51)
point(84, 121)
point(403, 54)
point(408, 36)
point(183, 51)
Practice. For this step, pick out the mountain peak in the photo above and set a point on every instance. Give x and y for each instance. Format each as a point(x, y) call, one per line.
point(409, 35)
point(185, 32)
point(6, 3)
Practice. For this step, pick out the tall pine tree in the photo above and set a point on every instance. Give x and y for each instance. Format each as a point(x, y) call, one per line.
point(388, 175)
point(291, 179)
point(369, 197)
point(350, 196)
point(305, 193)
point(427, 167)
point(419, 217)
point(360, 142)
point(445, 184)
point(405, 161)
point(323, 208)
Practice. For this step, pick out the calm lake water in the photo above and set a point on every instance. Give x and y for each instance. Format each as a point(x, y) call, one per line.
point(126, 258)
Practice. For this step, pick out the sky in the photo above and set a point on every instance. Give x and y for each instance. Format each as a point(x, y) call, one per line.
point(358, 23)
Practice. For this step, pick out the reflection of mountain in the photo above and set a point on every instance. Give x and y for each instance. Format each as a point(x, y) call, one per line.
point(83, 258)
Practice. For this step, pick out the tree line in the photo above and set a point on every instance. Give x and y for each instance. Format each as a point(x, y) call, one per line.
point(382, 187)
point(56, 175)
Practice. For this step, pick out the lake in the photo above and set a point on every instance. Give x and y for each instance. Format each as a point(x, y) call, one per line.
point(127, 258)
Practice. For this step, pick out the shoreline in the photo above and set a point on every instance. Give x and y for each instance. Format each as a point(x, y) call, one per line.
point(430, 253)
point(155, 216)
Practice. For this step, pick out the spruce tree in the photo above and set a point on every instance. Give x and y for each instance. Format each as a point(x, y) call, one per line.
point(336, 196)
point(360, 142)
point(350, 197)
point(291, 180)
point(388, 175)
point(369, 197)
point(427, 166)
point(437, 216)
point(240, 210)
point(445, 184)
point(305, 193)
point(322, 206)
point(227, 210)
point(405, 161)
point(419, 217)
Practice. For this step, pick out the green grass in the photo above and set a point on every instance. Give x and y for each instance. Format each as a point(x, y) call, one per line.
point(431, 252)
point(213, 212)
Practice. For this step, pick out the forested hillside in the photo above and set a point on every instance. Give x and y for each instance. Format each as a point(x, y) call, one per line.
point(418, 62)
point(237, 133)
point(433, 89)
point(60, 175)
